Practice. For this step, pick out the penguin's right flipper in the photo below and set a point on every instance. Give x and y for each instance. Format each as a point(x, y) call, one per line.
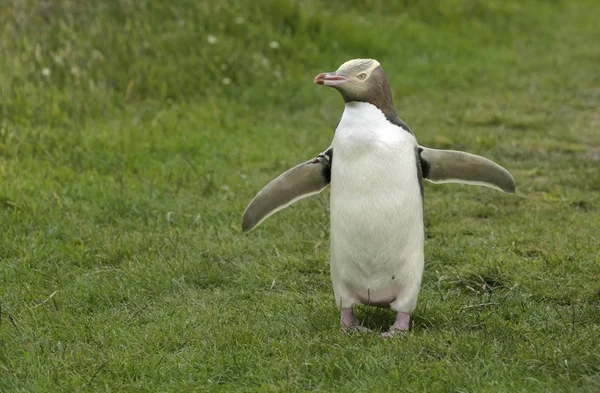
point(451, 166)
point(301, 181)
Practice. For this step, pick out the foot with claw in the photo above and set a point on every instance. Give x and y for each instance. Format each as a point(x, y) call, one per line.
point(400, 326)
point(350, 323)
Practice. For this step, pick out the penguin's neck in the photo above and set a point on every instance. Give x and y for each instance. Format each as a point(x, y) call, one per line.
point(362, 115)
point(364, 129)
point(374, 112)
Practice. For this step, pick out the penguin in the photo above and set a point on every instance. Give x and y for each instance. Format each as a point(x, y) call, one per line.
point(377, 234)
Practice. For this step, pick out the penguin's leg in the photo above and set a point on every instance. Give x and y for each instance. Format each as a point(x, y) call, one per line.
point(347, 318)
point(345, 301)
point(405, 302)
point(346, 305)
point(401, 325)
point(350, 323)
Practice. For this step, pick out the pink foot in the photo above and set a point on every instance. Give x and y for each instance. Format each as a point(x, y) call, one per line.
point(400, 326)
point(349, 321)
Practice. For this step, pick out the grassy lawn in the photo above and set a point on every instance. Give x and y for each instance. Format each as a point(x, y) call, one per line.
point(134, 133)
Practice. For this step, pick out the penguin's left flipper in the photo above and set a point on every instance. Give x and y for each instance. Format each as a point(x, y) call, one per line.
point(451, 166)
point(301, 181)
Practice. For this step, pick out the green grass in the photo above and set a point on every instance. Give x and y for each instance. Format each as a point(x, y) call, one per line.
point(124, 173)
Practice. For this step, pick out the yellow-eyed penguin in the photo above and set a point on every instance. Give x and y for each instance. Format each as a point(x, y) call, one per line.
point(376, 200)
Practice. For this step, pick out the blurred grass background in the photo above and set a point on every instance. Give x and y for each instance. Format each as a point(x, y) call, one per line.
point(134, 133)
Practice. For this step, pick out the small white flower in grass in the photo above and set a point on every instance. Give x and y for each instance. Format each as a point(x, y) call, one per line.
point(46, 71)
point(226, 81)
point(265, 61)
point(239, 20)
point(212, 39)
point(274, 45)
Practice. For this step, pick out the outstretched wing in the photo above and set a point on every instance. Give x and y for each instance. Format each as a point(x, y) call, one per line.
point(301, 181)
point(311, 177)
point(451, 166)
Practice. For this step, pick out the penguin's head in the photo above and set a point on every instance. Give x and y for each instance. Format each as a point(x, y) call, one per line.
point(360, 80)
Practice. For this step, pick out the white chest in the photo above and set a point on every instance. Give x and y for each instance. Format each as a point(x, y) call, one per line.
point(372, 155)
point(376, 205)
point(364, 129)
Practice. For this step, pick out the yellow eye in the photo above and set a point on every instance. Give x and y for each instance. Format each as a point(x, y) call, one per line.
point(361, 76)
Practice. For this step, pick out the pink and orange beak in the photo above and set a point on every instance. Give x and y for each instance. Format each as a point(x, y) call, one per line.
point(330, 79)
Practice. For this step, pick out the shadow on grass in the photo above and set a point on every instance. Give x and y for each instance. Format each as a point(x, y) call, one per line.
point(380, 319)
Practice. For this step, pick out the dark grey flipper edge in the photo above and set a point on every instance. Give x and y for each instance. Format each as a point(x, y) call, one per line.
point(299, 182)
point(451, 166)
point(420, 171)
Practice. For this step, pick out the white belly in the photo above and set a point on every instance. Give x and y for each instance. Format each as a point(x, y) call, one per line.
point(377, 232)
